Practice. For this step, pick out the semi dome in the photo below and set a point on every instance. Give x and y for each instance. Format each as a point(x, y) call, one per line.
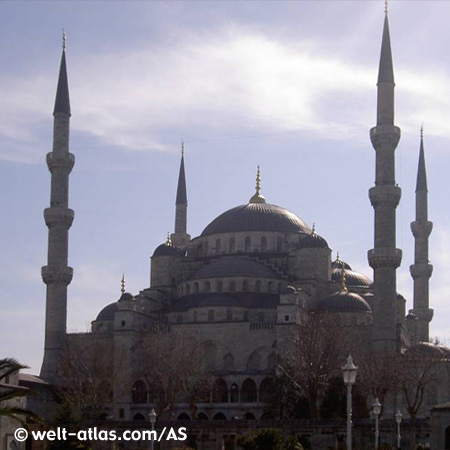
point(339, 264)
point(256, 217)
point(351, 278)
point(234, 267)
point(167, 249)
point(107, 313)
point(343, 302)
point(313, 240)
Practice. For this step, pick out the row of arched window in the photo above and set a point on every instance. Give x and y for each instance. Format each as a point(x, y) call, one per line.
point(212, 316)
point(223, 246)
point(231, 286)
point(184, 417)
point(247, 393)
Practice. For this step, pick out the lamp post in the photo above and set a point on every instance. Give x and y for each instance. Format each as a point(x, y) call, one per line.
point(398, 419)
point(152, 417)
point(349, 375)
point(376, 410)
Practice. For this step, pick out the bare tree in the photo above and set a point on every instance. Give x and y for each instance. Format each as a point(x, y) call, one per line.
point(171, 364)
point(313, 355)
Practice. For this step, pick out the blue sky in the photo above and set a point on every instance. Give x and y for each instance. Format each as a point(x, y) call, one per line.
point(286, 85)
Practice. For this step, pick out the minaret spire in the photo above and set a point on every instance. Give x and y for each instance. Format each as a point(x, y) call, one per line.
point(57, 275)
point(421, 270)
point(257, 197)
point(385, 258)
point(180, 237)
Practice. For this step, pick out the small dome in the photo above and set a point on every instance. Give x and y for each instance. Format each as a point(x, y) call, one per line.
point(313, 240)
point(234, 267)
point(339, 264)
point(107, 313)
point(126, 296)
point(343, 302)
point(351, 278)
point(256, 217)
point(167, 249)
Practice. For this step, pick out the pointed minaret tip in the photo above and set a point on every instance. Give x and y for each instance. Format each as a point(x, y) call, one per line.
point(386, 68)
point(62, 101)
point(421, 184)
point(181, 188)
point(122, 284)
point(257, 197)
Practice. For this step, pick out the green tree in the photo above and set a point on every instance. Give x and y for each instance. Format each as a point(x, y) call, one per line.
point(268, 439)
point(10, 393)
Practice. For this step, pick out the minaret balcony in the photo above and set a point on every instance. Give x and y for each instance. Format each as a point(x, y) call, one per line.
point(384, 257)
point(421, 270)
point(385, 195)
point(63, 161)
point(385, 137)
point(55, 216)
point(421, 228)
point(51, 275)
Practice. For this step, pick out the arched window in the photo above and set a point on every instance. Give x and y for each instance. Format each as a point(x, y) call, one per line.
point(279, 244)
point(219, 416)
point(195, 316)
point(219, 286)
point(211, 315)
point(249, 416)
point(196, 288)
point(261, 316)
point(228, 362)
point(202, 416)
point(207, 286)
point(258, 286)
point(232, 286)
point(199, 250)
point(138, 417)
point(218, 246)
point(139, 392)
point(247, 243)
point(229, 314)
point(234, 393)
point(269, 286)
point(184, 417)
point(263, 244)
point(179, 318)
point(245, 285)
point(188, 289)
point(266, 390)
point(232, 245)
point(248, 391)
point(206, 248)
point(280, 287)
point(220, 391)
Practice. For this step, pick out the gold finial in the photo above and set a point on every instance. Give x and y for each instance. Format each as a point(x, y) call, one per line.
point(169, 239)
point(258, 198)
point(337, 256)
point(343, 289)
point(313, 231)
point(64, 39)
point(182, 147)
point(385, 6)
point(122, 284)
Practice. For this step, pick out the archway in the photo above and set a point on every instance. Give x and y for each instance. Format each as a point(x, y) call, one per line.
point(220, 391)
point(139, 392)
point(219, 416)
point(248, 391)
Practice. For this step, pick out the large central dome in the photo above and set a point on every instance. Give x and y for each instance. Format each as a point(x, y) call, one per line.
point(256, 217)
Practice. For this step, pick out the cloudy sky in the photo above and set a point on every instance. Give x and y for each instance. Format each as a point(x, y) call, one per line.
point(288, 85)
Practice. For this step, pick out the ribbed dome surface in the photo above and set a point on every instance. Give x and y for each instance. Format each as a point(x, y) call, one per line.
point(339, 264)
point(313, 241)
point(351, 278)
point(256, 217)
point(233, 267)
point(343, 302)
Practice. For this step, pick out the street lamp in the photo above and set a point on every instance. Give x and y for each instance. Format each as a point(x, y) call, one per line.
point(398, 419)
point(349, 375)
point(152, 417)
point(376, 410)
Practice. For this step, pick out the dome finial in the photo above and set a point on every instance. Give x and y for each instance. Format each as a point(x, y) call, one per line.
point(64, 39)
point(337, 256)
point(122, 284)
point(169, 239)
point(258, 198)
point(421, 131)
point(182, 147)
point(313, 231)
point(386, 6)
point(343, 289)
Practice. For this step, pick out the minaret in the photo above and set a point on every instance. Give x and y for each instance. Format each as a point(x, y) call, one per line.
point(385, 258)
point(180, 238)
point(58, 218)
point(421, 270)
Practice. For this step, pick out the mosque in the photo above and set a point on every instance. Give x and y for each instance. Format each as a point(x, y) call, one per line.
point(253, 274)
